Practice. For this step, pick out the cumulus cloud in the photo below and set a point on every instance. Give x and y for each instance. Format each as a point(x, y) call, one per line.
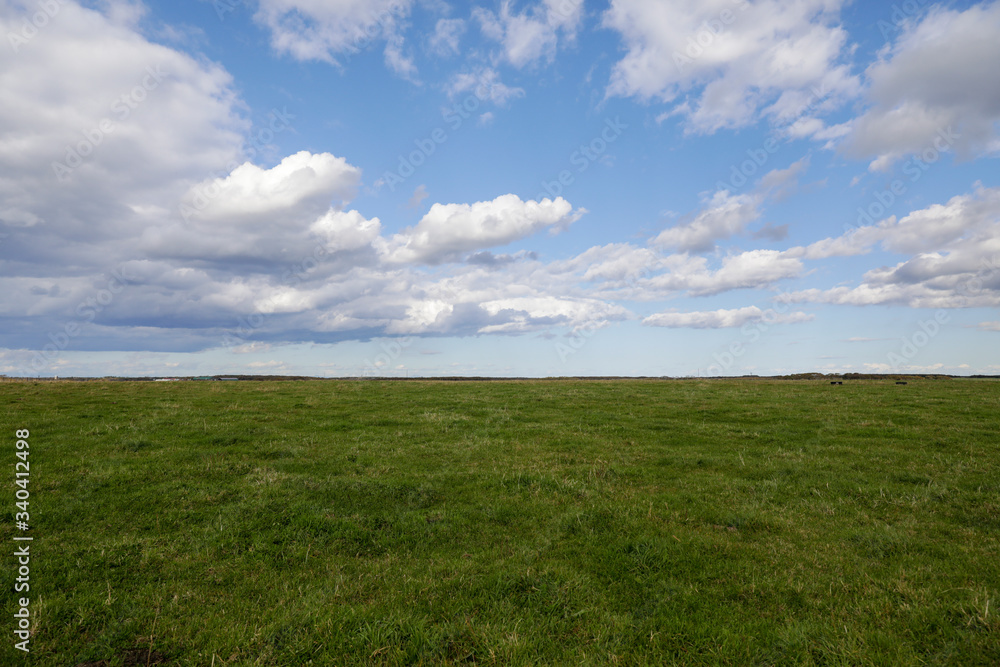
point(925, 230)
point(736, 61)
point(723, 216)
point(934, 89)
point(624, 272)
point(259, 215)
point(305, 182)
point(614, 262)
point(159, 205)
point(449, 230)
point(212, 247)
point(346, 230)
point(148, 114)
point(723, 318)
point(471, 300)
point(98, 150)
point(523, 314)
point(954, 262)
point(754, 268)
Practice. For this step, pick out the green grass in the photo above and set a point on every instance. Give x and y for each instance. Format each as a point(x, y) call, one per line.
point(530, 522)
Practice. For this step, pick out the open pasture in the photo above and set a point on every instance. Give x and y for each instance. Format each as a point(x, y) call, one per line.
point(629, 522)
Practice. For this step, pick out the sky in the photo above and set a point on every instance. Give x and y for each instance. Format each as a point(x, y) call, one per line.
point(501, 188)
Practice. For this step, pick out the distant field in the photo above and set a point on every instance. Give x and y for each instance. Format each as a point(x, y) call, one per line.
point(624, 522)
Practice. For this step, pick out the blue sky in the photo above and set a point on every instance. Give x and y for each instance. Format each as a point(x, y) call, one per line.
point(536, 188)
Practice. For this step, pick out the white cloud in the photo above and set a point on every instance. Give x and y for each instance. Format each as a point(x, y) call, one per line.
point(251, 348)
point(754, 268)
point(779, 184)
point(303, 181)
point(346, 230)
point(484, 83)
point(282, 214)
point(523, 314)
point(397, 59)
point(938, 225)
point(276, 242)
point(988, 326)
point(449, 230)
point(651, 276)
point(447, 33)
point(882, 367)
point(419, 195)
point(624, 272)
point(723, 318)
point(270, 365)
point(328, 30)
point(616, 262)
point(100, 148)
point(934, 89)
point(857, 241)
point(954, 262)
point(925, 230)
point(531, 36)
point(144, 112)
point(723, 216)
point(737, 60)
point(968, 279)
point(270, 245)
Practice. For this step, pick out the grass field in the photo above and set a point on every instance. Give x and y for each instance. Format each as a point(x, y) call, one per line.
point(754, 522)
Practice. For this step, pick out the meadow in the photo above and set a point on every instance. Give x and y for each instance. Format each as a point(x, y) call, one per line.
point(627, 522)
